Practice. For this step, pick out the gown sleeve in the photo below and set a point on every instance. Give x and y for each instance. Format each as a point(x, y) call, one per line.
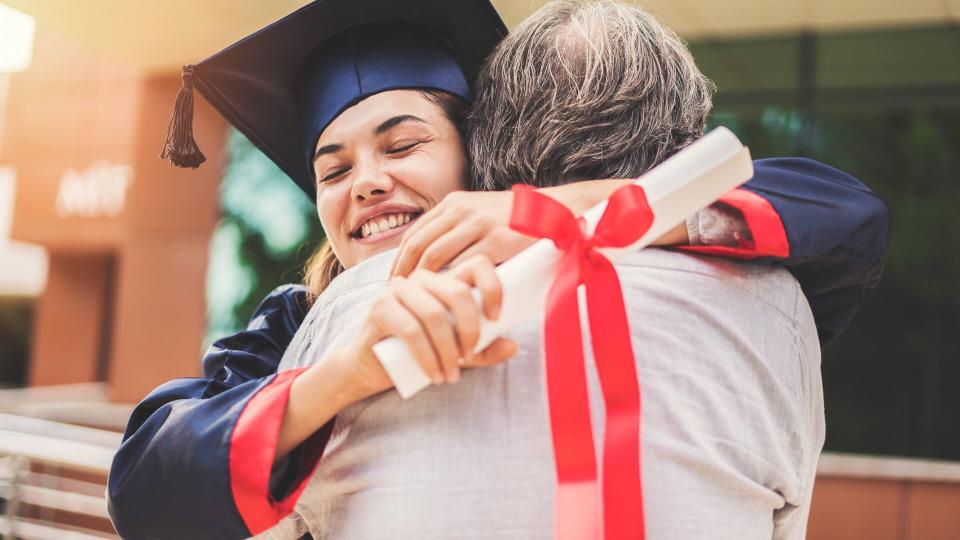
point(197, 457)
point(826, 227)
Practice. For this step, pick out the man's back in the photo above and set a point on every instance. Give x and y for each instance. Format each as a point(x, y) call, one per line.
point(728, 361)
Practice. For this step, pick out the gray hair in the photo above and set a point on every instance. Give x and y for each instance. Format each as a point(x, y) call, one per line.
point(584, 90)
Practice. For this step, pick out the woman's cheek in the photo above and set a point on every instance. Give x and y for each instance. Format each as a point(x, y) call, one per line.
point(332, 203)
point(432, 174)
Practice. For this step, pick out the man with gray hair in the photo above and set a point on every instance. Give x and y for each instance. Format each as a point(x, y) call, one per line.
point(727, 353)
point(583, 91)
point(728, 356)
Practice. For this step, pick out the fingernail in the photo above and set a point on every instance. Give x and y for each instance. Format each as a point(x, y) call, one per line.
point(454, 376)
point(461, 361)
point(437, 378)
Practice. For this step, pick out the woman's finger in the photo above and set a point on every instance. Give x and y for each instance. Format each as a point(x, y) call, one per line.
point(448, 245)
point(501, 349)
point(486, 247)
point(457, 296)
point(480, 272)
point(434, 318)
point(432, 214)
point(392, 318)
point(422, 221)
point(416, 241)
point(498, 247)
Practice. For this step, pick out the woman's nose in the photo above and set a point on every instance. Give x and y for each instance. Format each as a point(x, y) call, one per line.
point(371, 184)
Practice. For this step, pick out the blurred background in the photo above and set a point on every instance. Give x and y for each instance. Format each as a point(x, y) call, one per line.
point(116, 270)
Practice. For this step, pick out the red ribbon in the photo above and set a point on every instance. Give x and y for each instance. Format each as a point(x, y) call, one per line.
point(578, 506)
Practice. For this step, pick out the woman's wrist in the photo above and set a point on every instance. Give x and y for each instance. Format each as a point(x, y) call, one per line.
point(344, 366)
point(316, 396)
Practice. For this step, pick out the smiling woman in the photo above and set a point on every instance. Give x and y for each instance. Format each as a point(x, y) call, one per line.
point(379, 166)
point(378, 149)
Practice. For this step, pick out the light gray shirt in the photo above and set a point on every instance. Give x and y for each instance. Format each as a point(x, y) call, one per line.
point(728, 362)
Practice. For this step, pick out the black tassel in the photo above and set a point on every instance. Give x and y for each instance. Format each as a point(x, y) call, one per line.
point(179, 146)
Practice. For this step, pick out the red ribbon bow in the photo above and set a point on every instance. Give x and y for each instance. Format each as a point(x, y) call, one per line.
point(578, 508)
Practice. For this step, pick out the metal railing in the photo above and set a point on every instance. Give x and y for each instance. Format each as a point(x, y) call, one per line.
point(29, 449)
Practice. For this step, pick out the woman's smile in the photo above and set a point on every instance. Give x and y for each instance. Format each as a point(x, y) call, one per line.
point(385, 227)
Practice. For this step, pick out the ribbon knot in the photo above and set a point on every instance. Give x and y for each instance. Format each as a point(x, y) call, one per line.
point(580, 511)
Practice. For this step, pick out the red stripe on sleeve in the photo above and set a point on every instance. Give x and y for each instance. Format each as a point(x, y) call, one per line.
point(765, 225)
point(253, 449)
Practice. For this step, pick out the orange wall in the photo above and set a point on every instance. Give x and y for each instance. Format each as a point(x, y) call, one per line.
point(70, 113)
point(854, 509)
point(70, 110)
point(68, 334)
point(160, 310)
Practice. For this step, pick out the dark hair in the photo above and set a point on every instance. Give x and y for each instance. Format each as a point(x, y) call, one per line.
point(454, 108)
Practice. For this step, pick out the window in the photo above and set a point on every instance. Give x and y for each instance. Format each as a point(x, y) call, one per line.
point(883, 106)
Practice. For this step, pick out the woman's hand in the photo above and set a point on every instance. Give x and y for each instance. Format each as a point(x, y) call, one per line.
point(437, 318)
point(434, 314)
point(470, 223)
point(465, 224)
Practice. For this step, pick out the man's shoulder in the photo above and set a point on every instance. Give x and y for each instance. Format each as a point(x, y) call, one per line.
point(373, 272)
point(681, 272)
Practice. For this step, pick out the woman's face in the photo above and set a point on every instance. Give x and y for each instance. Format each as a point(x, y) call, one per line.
point(379, 166)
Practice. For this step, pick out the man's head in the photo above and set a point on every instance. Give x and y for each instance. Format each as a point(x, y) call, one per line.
point(584, 90)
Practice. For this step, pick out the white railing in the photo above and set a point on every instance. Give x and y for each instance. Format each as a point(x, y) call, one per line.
point(835, 465)
point(28, 444)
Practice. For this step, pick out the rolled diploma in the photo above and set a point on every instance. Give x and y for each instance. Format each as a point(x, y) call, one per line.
point(688, 181)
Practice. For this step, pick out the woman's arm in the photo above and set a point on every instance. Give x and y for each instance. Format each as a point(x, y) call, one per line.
point(437, 318)
point(826, 227)
point(197, 456)
point(228, 456)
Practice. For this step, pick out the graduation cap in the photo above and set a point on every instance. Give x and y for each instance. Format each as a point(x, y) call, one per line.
point(282, 85)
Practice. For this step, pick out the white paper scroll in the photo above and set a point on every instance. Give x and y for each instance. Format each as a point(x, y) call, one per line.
point(680, 186)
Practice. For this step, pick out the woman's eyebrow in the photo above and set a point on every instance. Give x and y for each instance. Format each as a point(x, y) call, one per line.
point(380, 130)
point(393, 122)
point(328, 149)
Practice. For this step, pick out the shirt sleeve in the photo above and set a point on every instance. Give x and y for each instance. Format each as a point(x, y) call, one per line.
point(826, 227)
point(197, 457)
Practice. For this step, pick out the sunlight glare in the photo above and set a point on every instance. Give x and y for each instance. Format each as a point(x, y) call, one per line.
point(16, 39)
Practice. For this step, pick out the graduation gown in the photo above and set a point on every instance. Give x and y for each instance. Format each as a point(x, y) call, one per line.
point(197, 456)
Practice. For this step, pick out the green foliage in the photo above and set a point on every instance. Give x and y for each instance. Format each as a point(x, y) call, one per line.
point(267, 231)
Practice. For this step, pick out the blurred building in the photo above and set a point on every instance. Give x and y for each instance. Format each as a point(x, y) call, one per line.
point(104, 248)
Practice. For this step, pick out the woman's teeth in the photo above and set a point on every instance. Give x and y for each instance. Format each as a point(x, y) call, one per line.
point(384, 223)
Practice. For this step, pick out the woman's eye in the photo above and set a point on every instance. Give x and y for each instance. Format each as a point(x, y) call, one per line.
point(334, 174)
point(403, 147)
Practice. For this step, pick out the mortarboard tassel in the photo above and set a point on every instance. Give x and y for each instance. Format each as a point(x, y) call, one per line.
point(179, 146)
